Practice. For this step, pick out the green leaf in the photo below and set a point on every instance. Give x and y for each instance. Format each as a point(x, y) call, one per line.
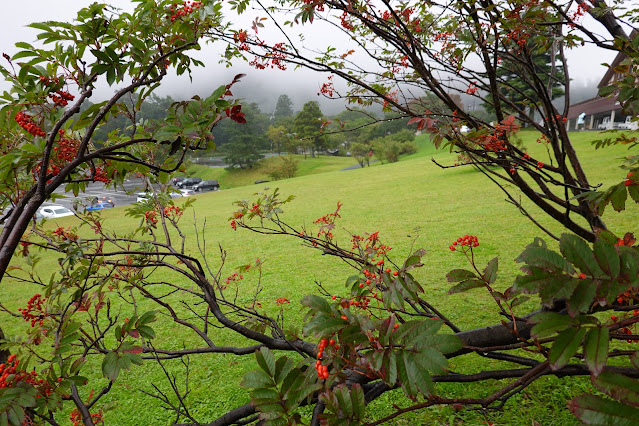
point(595, 410)
point(577, 251)
point(358, 401)
point(344, 400)
point(466, 285)
point(457, 275)
point(316, 303)
point(266, 360)
point(549, 323)
point(618, 386)
point(389, 367)
point(111, 366)
point(565, 346)
point(582, 298)
point(607, 258)
point(256, 379)
point(596, 349)
point(490, 272)
point(283, 366)
point(146, 332)
point(618, 197)
point(536, 254)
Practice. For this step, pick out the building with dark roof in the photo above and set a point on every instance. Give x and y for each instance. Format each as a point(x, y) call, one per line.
point(603, 113)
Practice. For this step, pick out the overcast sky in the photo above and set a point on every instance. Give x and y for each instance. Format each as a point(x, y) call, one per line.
point(584, 63)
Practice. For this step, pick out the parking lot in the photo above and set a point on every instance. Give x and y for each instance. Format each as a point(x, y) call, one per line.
point(118, 196)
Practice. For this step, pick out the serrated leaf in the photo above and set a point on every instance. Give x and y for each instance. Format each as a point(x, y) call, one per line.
point(618, 197)
point(549, 323)
point(596, 349)
point(582, 298)
point(266, 360)
point(490, 272)
point(389, 367)
point(256, 379)
point(622, 388)
point(316, 303)
point(466, 285)
point(607, 258)
point(565, 346)
point(111, 366)
point(358, 401)
point(457, 275)
point(595, 410)
point(577, 251)
point(344, 400)
point(283, 366)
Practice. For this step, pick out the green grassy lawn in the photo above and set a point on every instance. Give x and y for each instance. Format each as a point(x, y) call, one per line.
point(413, 204)
point(242, 177)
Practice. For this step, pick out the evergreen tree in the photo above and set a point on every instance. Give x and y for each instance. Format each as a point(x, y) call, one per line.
point(308, 123)
point(283, 109)
point(523, 92)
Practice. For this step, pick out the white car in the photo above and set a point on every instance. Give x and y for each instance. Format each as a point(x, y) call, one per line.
point(187, 192)
point(54, 211)
point(143, 196)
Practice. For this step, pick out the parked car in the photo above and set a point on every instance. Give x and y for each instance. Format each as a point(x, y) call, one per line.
point(143, 196)
point(207, 185)
point(54, 211)
point(105, 200)
point(177, 179)
point(629, 124)
point(99, 206)
point(188, 182)
point(187, 192)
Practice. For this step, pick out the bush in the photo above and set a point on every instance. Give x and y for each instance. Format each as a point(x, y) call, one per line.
point(392, 152)
point(283, 168)
point(408, 148)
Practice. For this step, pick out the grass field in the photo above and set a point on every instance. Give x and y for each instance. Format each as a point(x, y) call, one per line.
point(413, 204)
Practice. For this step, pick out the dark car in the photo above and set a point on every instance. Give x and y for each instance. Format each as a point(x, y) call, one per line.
point(177, 179)
point(188, 183)
point(207, 185)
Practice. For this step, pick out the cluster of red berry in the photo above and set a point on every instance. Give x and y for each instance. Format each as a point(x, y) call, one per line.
point(76, 416)
point(186, 8)
point(10, 375)
point(61, 98)
point(46, 80)
point(52, 170)
point(627, 330)
point(322, 370)
point(235, 277)
point(34, 311)
point(100, 175)
point(63, 234)
point(173, 212)
point(151, 218)
point(467, 240)
point(629, 181)
point(327, 88)
point(67, 148)
point(281, 300)
point(315, 4)
point(26, 122)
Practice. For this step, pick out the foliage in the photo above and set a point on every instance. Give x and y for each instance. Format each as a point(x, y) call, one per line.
point(284, 168)
point(243, 152)
point(283, 108)
point(308, 123)
point(361, 152)
point(112, 290)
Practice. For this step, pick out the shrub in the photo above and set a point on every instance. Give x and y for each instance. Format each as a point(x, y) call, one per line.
point(283, 168)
